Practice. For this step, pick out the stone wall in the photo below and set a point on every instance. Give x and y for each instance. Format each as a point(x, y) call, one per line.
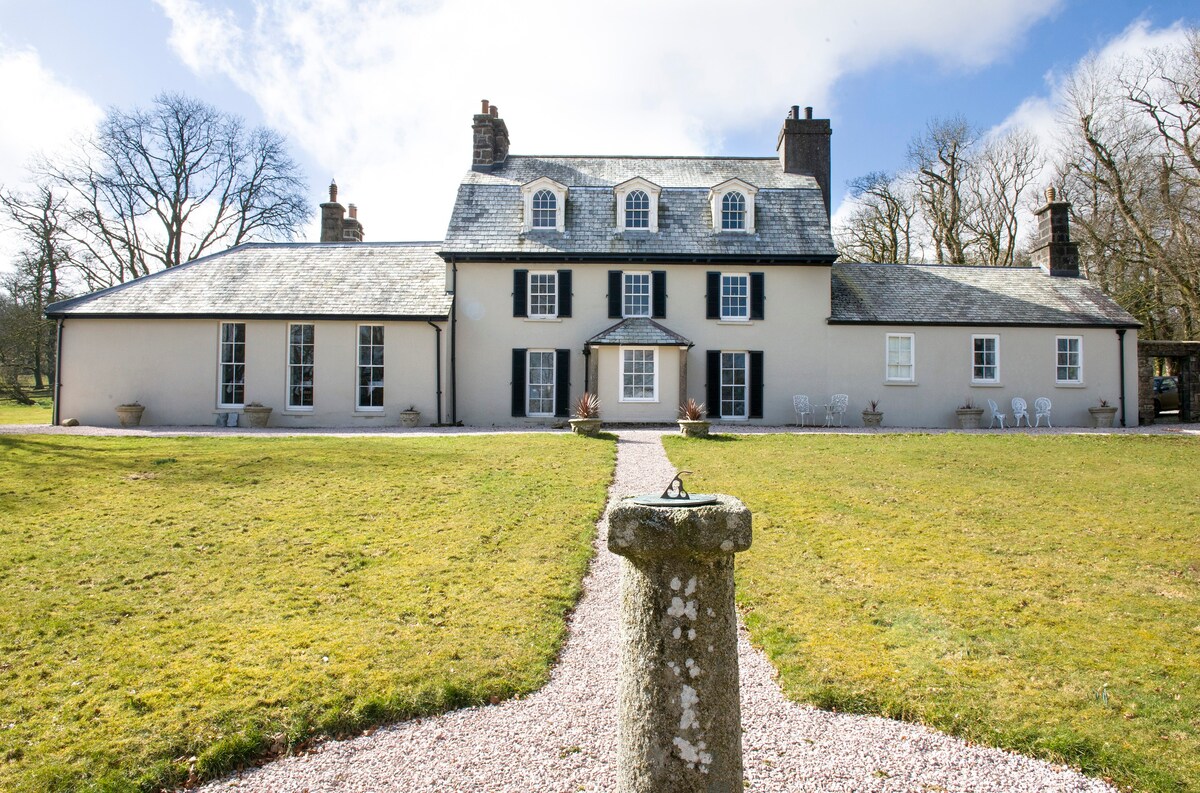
point(1188, 355)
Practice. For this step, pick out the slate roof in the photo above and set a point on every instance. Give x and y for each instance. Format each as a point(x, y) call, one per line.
point(790, 218)
point(298, 280)
point(639, 331)
point(910, 294)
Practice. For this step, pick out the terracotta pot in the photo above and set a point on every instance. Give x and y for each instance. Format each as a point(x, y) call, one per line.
point(257, 416)
point(130, 415)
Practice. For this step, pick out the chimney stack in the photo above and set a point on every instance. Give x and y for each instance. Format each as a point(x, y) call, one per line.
point(803, 148)
point(490, 138)
point(335, 226)
point(1054, 250)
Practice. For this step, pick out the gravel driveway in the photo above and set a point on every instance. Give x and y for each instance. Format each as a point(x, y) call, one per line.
point(563, 737)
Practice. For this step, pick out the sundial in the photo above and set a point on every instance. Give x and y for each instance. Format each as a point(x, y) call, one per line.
point(675, 495)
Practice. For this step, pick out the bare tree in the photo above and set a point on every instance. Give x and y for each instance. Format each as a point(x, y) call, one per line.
point(1001, 171)
point(880, 227)
point(39, 219)
point(939, 159)
point(158, 187)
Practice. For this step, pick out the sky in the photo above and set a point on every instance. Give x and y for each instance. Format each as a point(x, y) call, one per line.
point(379, 93)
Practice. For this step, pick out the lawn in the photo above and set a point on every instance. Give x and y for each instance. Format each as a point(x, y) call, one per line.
point(172, 606)
point(1040, 594)
point(13, 412)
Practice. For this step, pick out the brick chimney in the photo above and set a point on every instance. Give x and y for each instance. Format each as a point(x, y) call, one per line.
point(1054, 250)
point(335, 226)
point(490, 138)
point(803, 148)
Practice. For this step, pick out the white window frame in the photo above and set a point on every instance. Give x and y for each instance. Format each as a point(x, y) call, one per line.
point(745, 386)
point(625, 275)
point(529, 411)
point(975, 365)
point(654, 359)
point(529, 292)
point(358, 366)
point(221, 363)
point(735, 317)
point(887, 358)
point(1078, 353)
point(716, 197)
point(528, 191)
point(621, 193)
point(289, 366)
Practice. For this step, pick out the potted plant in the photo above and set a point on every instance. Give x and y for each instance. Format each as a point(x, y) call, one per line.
point(587, 415)
point(691, 420)
point(1103, 414)
point(257, 415)
point(410, 416)
point(872, 416)
point(130, 414)
point(968, 415)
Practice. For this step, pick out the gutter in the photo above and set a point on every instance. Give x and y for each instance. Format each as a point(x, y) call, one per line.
point(58, 344)
point(1121, 354)
point(453, 341)
point(437, 356)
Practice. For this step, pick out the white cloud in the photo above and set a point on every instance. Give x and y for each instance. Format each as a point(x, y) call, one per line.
point(380, 93)
point(42, 114)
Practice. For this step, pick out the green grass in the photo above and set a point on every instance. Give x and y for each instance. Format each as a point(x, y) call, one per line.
point(1037, 594)
point(13, 412)
point(173, 598)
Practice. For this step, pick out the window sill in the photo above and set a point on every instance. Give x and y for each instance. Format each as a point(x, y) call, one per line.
point(369, 413)
point(542, 319)
point(297, 412)
point(1070, 385)
point(230, 409)
point(988, 384)
point(735, 321)
point(901, 382)
point(638, 401)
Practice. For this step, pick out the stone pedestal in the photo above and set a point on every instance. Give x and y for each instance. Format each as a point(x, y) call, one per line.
point(679, 717)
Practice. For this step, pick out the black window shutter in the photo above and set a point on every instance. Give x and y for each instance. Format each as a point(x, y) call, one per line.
point(658, 292)
point(518, 383)
point(562, 382)
point(758, 295)
point(756, 384)
point(520, 293)
point(564, 293)
point(712, 384)
point(713, 297)
point(614, 294)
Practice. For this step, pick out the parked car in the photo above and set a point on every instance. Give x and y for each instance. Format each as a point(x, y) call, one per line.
point(1166, 394)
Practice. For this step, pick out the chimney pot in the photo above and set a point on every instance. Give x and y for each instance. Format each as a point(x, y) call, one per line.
point(1050, 194)
point(353, 211)
point(495, 112)
point(808, 113)
point(484, 111)
point(795, 111)
point(333, 191)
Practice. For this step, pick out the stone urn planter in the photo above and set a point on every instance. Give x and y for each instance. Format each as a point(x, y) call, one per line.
point(1103, 416)
point(697, 428)
point(130, 415)
point(872, 418)
point(256, 415)
point(588, 427)
point(409, 417)
point(968, 418)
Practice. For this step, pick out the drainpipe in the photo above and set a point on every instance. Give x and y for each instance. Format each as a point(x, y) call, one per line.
point(453, 341)
point(57, 373)
point(1121, 337)
point(437, 356)
point(587, 369)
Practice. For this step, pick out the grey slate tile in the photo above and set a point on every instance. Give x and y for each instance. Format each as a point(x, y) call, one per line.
point(641, 331)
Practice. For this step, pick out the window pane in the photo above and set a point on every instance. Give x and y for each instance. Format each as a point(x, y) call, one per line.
point(733, 211)
point(733, 385)
point(231, 388)
point(637, 210)
point(545, 204)
point(543, 294)
point(637, 374)
point(300, 368)
point(735, 297)
point(637, 295)
point(540, 377)
point(370, 366)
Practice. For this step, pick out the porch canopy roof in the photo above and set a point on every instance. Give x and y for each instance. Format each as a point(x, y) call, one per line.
point(638, 332)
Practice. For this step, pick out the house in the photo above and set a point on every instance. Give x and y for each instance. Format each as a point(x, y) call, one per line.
point(646, 280)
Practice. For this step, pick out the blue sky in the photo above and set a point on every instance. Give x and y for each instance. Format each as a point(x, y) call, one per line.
point(379, 94)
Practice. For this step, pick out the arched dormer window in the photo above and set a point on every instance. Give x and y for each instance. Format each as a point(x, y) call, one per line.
point(545, 210)
point(545, 205)
point(733, 212)
point(637, 210)
point(732, 204)
point(637, 205)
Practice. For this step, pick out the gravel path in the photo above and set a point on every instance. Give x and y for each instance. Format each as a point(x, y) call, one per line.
point(563, 737)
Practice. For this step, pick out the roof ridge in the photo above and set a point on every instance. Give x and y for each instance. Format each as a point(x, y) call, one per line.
point(640, 157)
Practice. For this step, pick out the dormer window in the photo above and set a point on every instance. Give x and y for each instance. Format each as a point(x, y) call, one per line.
point(732, 204)
point(733, 212)
point(545, 210)
point(545, 205)
point(637, 205)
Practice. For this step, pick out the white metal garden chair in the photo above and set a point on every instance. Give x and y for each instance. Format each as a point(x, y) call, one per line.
point(996, 414)
point(837, 407)
point(1041, 409)
point(1020, 411)
point(803, 407)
